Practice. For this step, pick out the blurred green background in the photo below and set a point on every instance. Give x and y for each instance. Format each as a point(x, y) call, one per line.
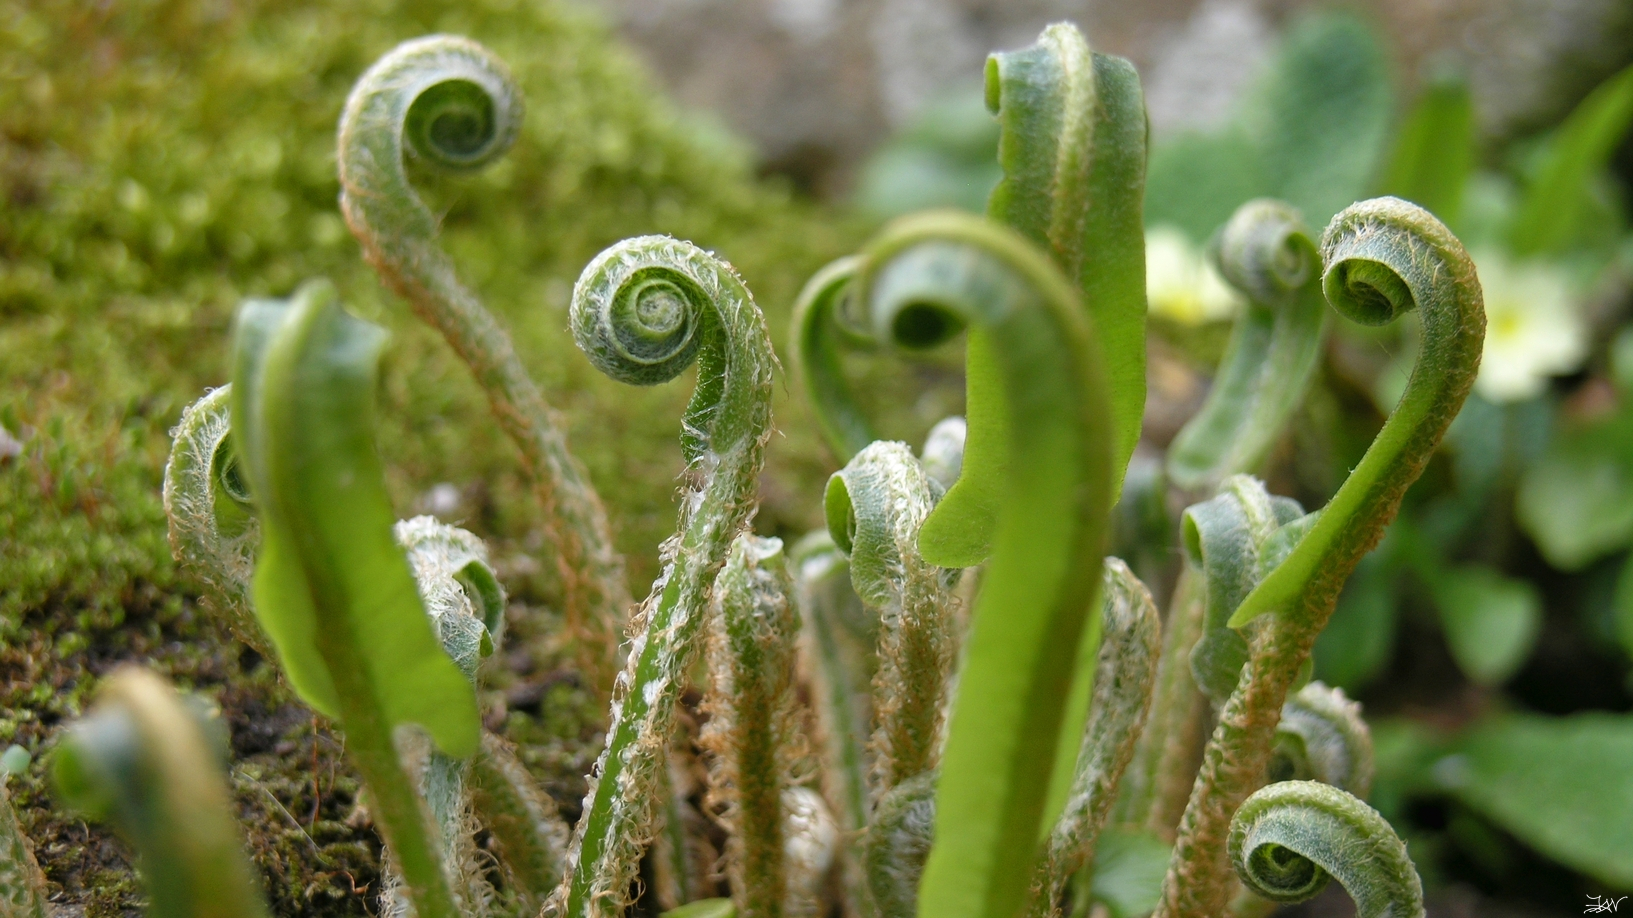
point(162, 160)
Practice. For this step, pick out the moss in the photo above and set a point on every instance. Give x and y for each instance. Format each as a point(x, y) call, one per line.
point(162, 160)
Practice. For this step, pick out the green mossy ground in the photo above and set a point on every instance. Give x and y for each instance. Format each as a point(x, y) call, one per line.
point(159, 162)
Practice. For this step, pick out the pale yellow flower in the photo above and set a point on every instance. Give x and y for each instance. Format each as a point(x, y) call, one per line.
point(1534, 327)
point(1181, 282)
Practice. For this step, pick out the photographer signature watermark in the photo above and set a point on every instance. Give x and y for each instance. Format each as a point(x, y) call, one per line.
point(1599, 905)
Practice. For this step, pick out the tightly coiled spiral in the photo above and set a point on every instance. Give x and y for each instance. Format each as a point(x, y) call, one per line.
point(1266, 251)
point(1289, 839)
point(1381, 257)
point(646, 308)
point(642, 311)
point(449, 103)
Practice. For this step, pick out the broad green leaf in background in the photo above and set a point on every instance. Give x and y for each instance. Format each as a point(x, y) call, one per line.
point(704, 908)
point(1196, 181)
point(1434, 148)
point(1576, 501)
point(1563, 785)
point(1557, 200)
point(945, 158)
point(1311, 131)
point(1322, 114)
point(1491, 621)
point(1128, 870)
point(1359, 639)
point(1623, 612)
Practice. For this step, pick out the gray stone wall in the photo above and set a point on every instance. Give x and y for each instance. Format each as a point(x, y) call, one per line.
point(816, 84)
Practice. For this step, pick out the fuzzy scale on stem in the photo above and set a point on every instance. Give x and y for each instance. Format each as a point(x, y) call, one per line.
point(213, 529)
point(522, 820)
point(643, 311)
point(1288, 839)
point(1123, 678)
point(751, 734)
point(450, 103)
point(875, 507)
point(1381, 257)
point(823, 588)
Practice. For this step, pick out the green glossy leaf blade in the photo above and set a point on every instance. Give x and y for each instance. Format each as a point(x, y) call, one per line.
point(330, 571)
point(1434, 149)
point(959, 532)
point(1073, 154)
point(1563, 785)
point(1554, 204)
point(1576, 502)
point(1491, 621)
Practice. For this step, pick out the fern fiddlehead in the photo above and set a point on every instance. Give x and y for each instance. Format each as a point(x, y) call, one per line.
point(450, 103)
point(1265, 252)
point(1123, 678)
point(332, 589)
point(466, 606)
point(1380, 258)
point(1072, 142)
point(751, 732)
point(1228, 538)
point(143, 760)
point(643, 311)
point(823, 587)
point(875, 506)
point(1321, 737)
point(1290, 838)
point(924, 278)
point(207, 502)
point(213, 529)
point(897, 844)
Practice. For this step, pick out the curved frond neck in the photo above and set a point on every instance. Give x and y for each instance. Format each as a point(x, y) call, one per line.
point(643, 311)
point(1380, 259)
point(1289, 839)
point(449, 103)
point(942, 272)
point(1266, 252)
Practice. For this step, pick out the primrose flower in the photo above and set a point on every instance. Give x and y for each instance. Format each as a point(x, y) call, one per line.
point(1181, 282)
point(1534, 327)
